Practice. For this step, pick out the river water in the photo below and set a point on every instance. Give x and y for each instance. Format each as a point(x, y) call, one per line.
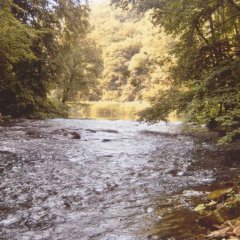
point(123, 180)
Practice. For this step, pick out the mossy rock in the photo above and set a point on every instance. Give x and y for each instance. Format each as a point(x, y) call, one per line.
point(219, 194)
point(228, 211)
point(209, 219)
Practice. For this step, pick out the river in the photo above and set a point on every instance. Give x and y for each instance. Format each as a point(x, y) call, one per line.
point(123, 180)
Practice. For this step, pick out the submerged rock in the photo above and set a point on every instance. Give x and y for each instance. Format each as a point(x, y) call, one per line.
point(110, 131)
point(91, 130)
point(62, 188)
point(33, 134)
point(68, 133)
point(73, 135)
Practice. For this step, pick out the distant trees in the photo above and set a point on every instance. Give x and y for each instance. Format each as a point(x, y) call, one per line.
point(133, 53)
point(206, 76)
point(189, 62)
point(82, 65)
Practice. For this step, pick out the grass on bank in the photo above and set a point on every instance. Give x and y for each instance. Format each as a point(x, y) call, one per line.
point(111, 110)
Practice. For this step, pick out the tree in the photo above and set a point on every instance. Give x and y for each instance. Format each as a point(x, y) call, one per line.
point(82, 65)
point(206, 83)
point(15, 46)
point(42, 30)
point(135, 53)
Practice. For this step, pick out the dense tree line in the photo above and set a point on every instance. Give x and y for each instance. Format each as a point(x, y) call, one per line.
point(206, 84)
point(189, 62)
point(36, 38)
point(135, 54)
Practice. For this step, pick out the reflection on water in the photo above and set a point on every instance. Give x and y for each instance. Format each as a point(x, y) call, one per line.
point(121, 180)
point(110, 110)
point(107, 110)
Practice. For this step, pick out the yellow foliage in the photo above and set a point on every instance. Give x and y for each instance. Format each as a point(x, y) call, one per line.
point(135, 54)
point(107, 110)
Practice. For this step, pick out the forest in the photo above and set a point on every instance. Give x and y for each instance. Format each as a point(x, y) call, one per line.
point(44, 47)
point(180, 56)
point(119, 119)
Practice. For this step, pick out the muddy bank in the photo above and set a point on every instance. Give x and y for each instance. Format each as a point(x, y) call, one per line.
point(118, 180)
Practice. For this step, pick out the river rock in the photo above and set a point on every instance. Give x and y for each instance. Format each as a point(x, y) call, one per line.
point(73, 135)
point(68, 133)
point(210, 219)
point(91, 130)
point(33, 134)
point(219, 194)
point(109, 131)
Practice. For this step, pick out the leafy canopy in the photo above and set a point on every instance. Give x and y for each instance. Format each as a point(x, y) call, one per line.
point(206, 82)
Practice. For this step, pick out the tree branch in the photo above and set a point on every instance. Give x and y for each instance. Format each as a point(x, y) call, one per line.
point(200, 33)
point(219, 25)
point(234, 4)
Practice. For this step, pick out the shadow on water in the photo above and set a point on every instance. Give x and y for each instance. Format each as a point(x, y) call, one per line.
point(121, 180)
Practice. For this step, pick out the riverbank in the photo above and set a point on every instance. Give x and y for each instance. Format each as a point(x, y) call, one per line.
point(220, 212)
point(108, 110)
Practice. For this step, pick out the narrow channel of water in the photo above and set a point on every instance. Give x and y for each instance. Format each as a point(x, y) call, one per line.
point(121, 181)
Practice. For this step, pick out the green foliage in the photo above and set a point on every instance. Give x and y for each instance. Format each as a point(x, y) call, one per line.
point(82, 64)
point(33, 35)
point(135, 54)
point(206, 73)
point(161, 106)
point(106, 110)
point(140, 5)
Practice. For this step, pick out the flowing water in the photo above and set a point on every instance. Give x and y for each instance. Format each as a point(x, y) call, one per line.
point(122, 180)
